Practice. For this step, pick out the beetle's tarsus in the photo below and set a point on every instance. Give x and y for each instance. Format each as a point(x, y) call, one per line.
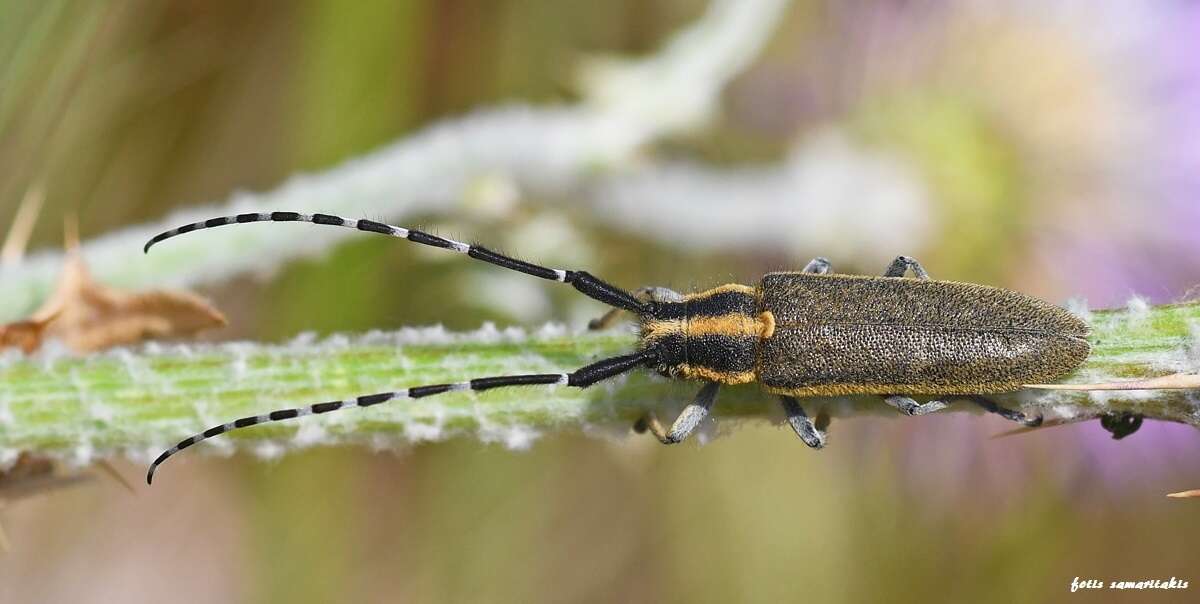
point(902, 264)
point(1121, 424)
point(604, 321)
point(1012, 415)
point(818, 266)
point(822, 421)
point(804, 427)
point(650, 422)
point(641, 425)
point(912, 408)
point(687, 421)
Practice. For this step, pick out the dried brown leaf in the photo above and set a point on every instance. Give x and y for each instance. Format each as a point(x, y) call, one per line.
point(26, 335)
point(31, 475)
point(89, 316)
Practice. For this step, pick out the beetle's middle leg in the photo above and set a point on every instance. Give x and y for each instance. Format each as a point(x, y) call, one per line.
point(687, 422)
point(910, 407)
point(651, 293)
point(898, 268)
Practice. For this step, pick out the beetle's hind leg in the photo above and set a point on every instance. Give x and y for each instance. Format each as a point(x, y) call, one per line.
point(910, 407)
point(805, 428)
point(651, 293)
point(901, 265)
point(1012, 415)
point(687, 422)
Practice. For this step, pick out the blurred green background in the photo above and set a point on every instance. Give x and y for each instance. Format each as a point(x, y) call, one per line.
point(1054, 150)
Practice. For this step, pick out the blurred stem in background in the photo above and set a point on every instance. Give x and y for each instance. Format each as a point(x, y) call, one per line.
point(546, 151)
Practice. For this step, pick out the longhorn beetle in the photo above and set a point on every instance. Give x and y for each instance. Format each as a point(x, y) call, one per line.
point(798, 334)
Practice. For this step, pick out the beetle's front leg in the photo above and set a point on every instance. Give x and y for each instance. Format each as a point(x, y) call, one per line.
point(651, 293)
point(687, 421)
point(901, 265)
point(910, 407)
point(817, 266)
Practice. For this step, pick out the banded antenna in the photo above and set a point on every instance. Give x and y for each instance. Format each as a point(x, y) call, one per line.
point(580, 378)
point(581, 280)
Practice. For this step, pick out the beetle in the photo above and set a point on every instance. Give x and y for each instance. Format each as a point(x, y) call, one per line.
point(798, 334)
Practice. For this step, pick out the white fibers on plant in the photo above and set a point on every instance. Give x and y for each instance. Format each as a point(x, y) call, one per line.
point(82, 454)
point(8, 458)
point(101, 412)
point(310, 433)
point(416, 430)
point(1192, 348)
point(1138, 308)
point(268, 449)
point(1079, 308)
point(516, 436)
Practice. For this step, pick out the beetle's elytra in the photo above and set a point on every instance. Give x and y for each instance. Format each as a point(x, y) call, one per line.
point(806, 333)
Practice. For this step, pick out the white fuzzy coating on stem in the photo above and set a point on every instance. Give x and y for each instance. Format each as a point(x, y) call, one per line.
point(1138, 307)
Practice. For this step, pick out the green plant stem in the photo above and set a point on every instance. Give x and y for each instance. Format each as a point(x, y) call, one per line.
point(137, 402)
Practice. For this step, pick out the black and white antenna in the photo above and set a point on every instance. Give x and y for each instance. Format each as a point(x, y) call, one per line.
point(580, 280)
point(580, 378)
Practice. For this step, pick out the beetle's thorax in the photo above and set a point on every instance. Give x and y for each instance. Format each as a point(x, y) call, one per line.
point(710, 335)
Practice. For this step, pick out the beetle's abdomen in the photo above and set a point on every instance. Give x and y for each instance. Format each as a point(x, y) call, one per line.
point(841, 334)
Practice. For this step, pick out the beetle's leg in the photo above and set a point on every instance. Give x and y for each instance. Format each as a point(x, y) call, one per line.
point(901, 265)
point(1121, 424)
point(818, 266)
point(1009, 414)
point(604, 321)
point(651, 293)
point(687, 422)
point(804, 427)
point(822, 421)
point(908, 406)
